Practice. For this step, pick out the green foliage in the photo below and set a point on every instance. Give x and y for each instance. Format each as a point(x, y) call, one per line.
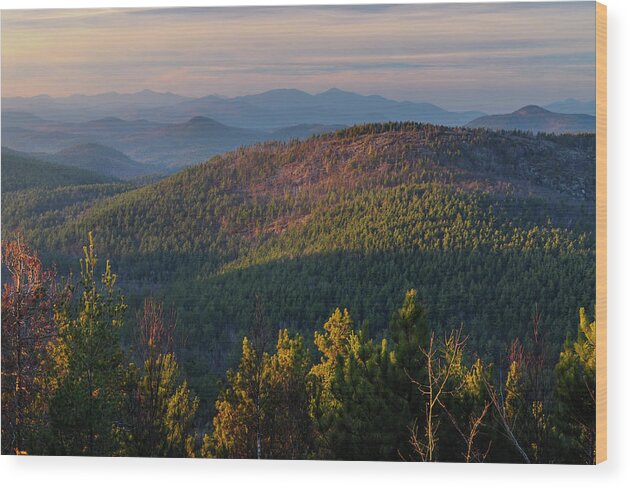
point(463, 216)
point(466, 429)
point(360, 411)
point(263, 412)
point(575, 392)
point(34, 212)
point(409, 331)
point(333, 344)
point(353, 404)
point(20, 171)
point(291, 385)
point(160, 410)
point(482, 225)
point(237, 420)
point(88, 369)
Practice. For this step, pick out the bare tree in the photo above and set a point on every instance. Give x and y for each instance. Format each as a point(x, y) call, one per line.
point(153, 341)
point(475, 423)
point(156, 330)
point(499, 408)
point(441, 363)
point(260, 334)
point(527, 388)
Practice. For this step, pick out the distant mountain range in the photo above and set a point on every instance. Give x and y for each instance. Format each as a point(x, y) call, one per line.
point(287, 107)
point(136, 147)
point(144, 133)
point(536, 119)
point(269, 110)
point(80, 108)
point(572, 106)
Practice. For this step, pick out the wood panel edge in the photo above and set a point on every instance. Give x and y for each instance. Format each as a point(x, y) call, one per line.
point(601, 449)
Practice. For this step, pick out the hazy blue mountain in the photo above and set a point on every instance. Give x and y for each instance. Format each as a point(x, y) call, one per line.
point(572, 106)
point(271, 109)
point(76, 108)
point(38, 139)
point(278, 97)
point(101, 159)
point(148, 147)
point(289, 107)
point(537, 119)
point(167, 131)
point(38, 135)
point(191, 142)
point(21, 119)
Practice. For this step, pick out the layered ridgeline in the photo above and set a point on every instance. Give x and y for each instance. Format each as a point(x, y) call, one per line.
point(22, 171)
point(101, 159)
point(486, 225)
point(537, 119)
point(40, 194)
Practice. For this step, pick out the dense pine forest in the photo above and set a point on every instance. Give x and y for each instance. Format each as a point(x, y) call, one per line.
point(395, 291)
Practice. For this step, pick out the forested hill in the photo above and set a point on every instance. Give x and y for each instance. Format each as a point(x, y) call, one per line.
point(21, 171)
point(486, 225)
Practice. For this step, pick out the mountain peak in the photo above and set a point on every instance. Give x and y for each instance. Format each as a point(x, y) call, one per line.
point(531, 110)
point(333, 90)
point(336, 92)
point(536, 119)
point(201, 120)
point(108, 120)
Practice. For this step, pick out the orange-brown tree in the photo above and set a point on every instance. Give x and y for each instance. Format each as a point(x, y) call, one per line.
point(160, 407)
point(28, 297)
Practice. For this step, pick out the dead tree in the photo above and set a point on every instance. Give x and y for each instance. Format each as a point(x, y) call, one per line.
point(441, 364)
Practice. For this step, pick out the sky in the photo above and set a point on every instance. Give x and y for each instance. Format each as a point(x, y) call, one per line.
point(490, 57)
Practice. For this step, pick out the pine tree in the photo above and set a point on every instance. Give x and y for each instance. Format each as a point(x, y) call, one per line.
point(160, 408)
point(409, 333)
point(86, 405)
point(575, 393)
point(236, 422)
point(409, 330)
point(466, 430)
point(291, 427)
point(263, 412)
point(355, 410)
point(334, 345)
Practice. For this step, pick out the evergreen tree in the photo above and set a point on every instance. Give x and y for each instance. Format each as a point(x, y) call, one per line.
point(358, 415)
point(86, 405)
point(160, 408)
point(334, 345)
point(467, 432)
point(236, 422)
point(409, 332)
point(575, 392)
point(291, 427)
point(264, 414)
